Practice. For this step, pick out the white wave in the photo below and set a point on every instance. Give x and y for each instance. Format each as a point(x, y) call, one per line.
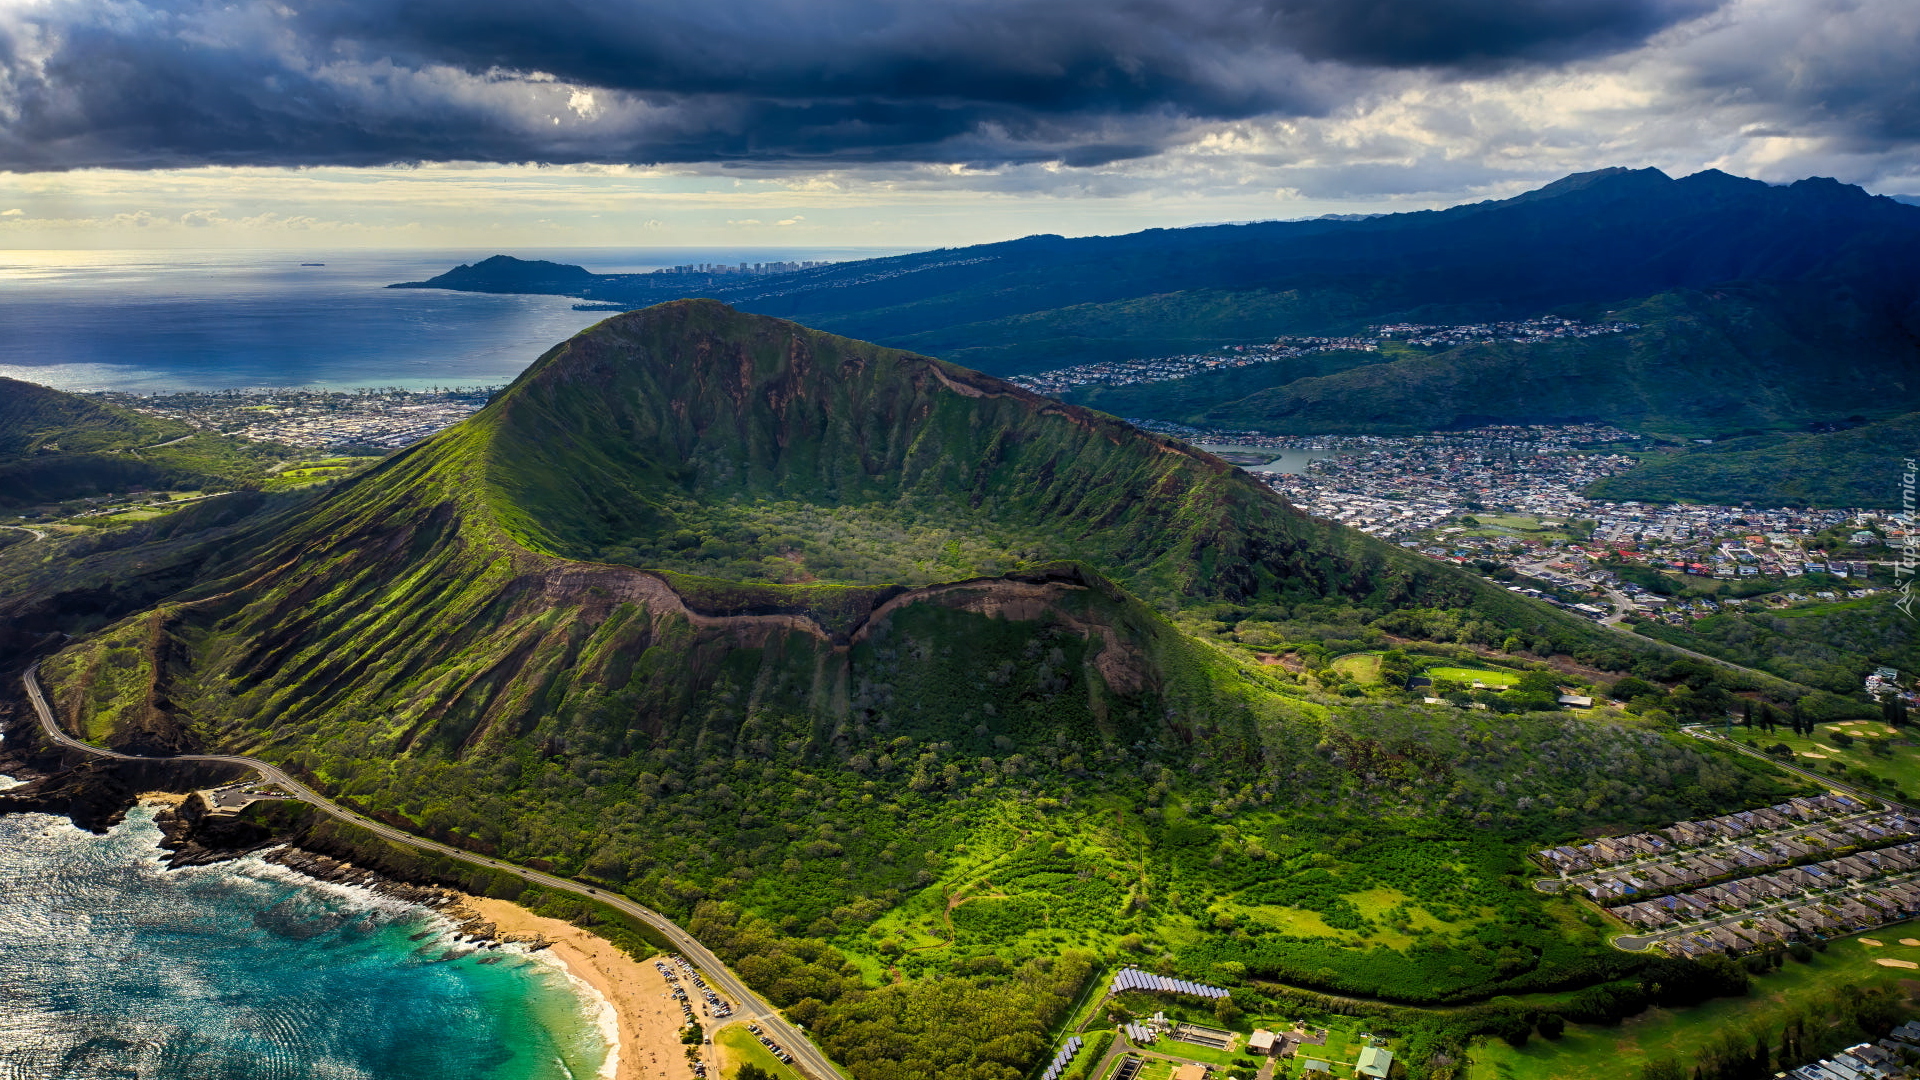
point(599, 1006)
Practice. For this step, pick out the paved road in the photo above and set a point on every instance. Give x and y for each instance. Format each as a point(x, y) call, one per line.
point(748, 1006)
point(169, 442)
point(1710, 735)
point(1792, 832)
point(1638, 636)
point(1647, 938)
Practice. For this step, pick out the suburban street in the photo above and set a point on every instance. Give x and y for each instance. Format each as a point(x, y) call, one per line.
point(1648, 938)
point(748, 1006)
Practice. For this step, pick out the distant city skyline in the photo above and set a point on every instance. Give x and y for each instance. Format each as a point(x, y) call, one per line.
point(500, 123)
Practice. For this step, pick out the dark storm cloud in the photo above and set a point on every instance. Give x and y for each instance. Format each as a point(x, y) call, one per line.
point(1844, 70)
point(122, 84)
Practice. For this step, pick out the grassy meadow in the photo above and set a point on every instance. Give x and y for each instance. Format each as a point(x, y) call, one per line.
point(1830, 977)
point(1873, 750)
point(738, 1047)
point(1493, 677)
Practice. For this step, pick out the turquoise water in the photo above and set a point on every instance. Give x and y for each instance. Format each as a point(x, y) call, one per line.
point(115, 968)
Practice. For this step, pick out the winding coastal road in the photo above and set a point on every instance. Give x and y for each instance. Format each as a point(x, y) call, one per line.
point(748, 1006)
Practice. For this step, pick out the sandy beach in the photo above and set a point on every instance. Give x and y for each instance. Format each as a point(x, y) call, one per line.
point(649, 1019)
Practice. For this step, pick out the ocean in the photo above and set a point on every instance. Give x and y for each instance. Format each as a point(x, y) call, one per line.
point(113, 967)
point(145, 321)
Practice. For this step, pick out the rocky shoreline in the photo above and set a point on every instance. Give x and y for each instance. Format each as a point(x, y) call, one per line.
point(96, 793)
point(194, 836)
point(92, 792)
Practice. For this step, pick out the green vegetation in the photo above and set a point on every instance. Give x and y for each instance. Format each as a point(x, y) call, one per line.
point(1801, 1010)
point(1527, 525)
point(855, 463)
point(1830, 646)
point(1693, 586)
point(56, 447)
point(1360, 667)
point(751, 1060)
point(909, 817)
point(1857, 467)
point(298, 474)
point(1750, 350)
point(1469, 676)
point(1195, 394)
point(314, 831)
point(35, 419)
point(1866, 753)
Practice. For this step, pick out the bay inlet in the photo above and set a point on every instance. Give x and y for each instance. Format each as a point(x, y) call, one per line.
point(112, 965)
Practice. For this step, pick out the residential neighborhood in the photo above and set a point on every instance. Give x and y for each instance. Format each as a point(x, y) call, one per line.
point(1164, 368)
point(1745, 881)
point(1509, 500)
point(385, 419)
point(1815, 901)
point(1793, 817)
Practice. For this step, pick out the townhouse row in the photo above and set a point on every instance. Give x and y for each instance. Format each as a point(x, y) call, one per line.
point(1611, 850)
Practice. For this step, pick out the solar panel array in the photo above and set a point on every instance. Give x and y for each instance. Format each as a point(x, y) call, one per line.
point(1135, 979)
point(1062, 1059)
point(1141, 1034)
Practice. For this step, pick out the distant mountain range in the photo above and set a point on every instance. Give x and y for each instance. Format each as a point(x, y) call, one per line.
point(1763, 306)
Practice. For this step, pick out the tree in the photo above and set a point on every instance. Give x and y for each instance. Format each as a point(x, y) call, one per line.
point(1630, 687)
point(1662, 1069)
point(750, 1071)
point(1511, 1026)
point(1551, 1025)
point(1539, 682)
point(1746, 714)
point(1893, 711)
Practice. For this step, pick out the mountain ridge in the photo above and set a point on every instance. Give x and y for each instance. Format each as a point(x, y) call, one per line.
point(798, 638)
point(1639, 205)
point(56, 446)
point(1725, 274)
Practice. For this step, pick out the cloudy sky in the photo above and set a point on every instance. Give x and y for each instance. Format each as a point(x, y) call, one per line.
point(314, 123)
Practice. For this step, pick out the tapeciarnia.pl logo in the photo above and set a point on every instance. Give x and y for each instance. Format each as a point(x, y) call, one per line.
point(1909, 561)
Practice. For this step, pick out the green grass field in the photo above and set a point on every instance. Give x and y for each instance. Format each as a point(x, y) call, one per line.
point(738, 1047)
point(1363, 667)
point(128, 517)
point(1516, 525)
point(1467, 675)
point(1901, 765)
point(1614, 1053)
point(305, 473)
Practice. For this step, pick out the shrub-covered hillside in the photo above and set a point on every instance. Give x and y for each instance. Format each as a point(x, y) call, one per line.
point(901, 686)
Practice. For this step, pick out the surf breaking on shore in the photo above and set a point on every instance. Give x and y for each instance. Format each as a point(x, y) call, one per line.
point(645, 1021)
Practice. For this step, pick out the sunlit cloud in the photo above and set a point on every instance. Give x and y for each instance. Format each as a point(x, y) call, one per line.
point(507, 124)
